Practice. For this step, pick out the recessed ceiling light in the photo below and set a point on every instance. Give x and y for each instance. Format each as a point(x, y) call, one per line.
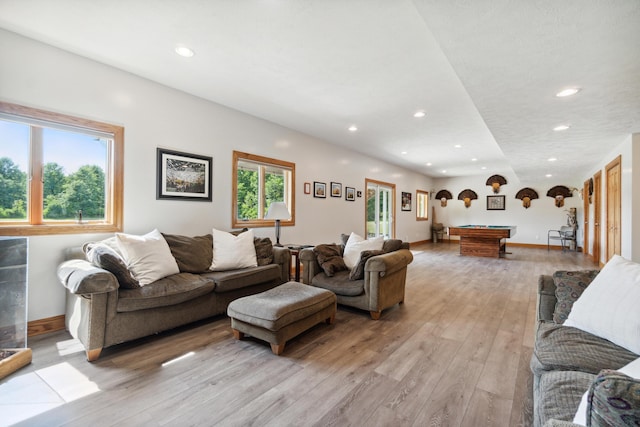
point(474, 160)
point(568, 92)
point(552, 159)
point(483, 168)
point(419, 114)
point(548, 175)
point(429, 164)
point(561, 127)
point(444, 171)
point(457, 146)
point(403, 152)
point(184, 51)
point(353, 128)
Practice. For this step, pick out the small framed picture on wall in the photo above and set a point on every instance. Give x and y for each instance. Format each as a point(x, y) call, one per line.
point(406, 201)
point(336, 189)
point(320, 189)
point(495, 203)
point(350, 194)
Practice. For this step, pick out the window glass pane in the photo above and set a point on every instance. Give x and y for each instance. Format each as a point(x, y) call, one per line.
point(14, 165)
point(247, 191)
point(74, 175)
point(274, 186)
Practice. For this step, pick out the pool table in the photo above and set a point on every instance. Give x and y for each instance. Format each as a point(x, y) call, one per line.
point(483, 240)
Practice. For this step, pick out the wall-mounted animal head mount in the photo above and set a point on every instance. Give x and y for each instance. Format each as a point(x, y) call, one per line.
point(495, 182)
point(527, 195)
point(559, 193)
point(444, 195)
point(467, 195)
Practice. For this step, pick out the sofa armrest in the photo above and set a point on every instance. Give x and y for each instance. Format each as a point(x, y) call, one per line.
point(282, 257)
point(310, 266)
point(546, 302)
point(388, 263)
point(82, 277)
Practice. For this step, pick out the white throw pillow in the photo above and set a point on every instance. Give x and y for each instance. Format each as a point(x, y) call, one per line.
point(231, 252)
point(356, 244)
point(632, 370)
point(148, 257)
point(608, 307)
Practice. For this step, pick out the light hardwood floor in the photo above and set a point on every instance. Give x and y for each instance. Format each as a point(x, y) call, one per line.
point(456, 353)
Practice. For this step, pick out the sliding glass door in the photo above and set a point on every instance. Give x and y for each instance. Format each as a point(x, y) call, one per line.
point(380, 207)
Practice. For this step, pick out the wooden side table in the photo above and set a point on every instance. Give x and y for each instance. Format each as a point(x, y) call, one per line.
point(295, 252)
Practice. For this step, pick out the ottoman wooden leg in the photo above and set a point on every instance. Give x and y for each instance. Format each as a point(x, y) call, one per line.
point(331, 319)
point(277, 349)
point(237, 334)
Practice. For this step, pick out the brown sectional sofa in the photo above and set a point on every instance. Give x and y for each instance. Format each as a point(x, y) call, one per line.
point(101, 313)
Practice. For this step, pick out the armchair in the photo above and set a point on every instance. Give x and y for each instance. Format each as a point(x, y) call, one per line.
point(382, 287)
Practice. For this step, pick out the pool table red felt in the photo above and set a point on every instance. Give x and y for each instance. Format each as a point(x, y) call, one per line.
point(483, 240)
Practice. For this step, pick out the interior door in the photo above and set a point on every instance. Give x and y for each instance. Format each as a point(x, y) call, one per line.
point(380, 209)
point(613, 209)
point(585, 209)
point(597, 213)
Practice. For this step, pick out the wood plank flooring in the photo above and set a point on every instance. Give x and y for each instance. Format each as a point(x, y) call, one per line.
point(456, 353)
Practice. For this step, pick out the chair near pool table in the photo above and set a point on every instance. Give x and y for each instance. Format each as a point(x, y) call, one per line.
point(566, 235)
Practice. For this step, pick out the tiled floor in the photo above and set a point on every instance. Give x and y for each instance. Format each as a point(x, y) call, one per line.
point(25, 395)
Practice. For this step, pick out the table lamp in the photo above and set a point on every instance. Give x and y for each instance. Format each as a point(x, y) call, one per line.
point(278, 211)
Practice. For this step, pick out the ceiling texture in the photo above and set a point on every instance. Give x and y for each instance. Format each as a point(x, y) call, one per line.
point(484, 72)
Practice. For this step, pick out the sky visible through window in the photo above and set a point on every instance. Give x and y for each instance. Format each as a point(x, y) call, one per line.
point(68, 149)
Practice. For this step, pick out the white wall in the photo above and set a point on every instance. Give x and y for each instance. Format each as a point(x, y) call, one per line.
point(533, 223)
point(40, 76)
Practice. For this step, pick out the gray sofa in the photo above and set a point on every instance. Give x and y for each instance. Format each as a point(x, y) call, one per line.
point(567, 361)
point(101, 313)
point(381, 287)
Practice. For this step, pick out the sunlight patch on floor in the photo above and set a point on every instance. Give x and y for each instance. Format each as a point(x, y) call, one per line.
point(69, 347)
point(44, 390)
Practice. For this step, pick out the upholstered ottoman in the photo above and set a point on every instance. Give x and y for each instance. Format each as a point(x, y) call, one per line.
point(281, 313)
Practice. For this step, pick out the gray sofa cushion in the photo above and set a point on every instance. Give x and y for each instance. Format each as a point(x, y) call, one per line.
point(170, 290)
point(569, 287)
point(559, 394)
point(103, 256)
point(339, 283)
point(391, 245)
point(357, 273)
point(560, 347)
point(193, 254)
point(230, 280)
point(264, 250)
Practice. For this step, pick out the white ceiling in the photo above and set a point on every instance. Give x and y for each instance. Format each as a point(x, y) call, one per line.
point(484, 71)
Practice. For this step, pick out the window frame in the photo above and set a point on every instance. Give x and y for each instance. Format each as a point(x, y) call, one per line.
point(263, 161)
point(114, 178)
point(422, 194)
